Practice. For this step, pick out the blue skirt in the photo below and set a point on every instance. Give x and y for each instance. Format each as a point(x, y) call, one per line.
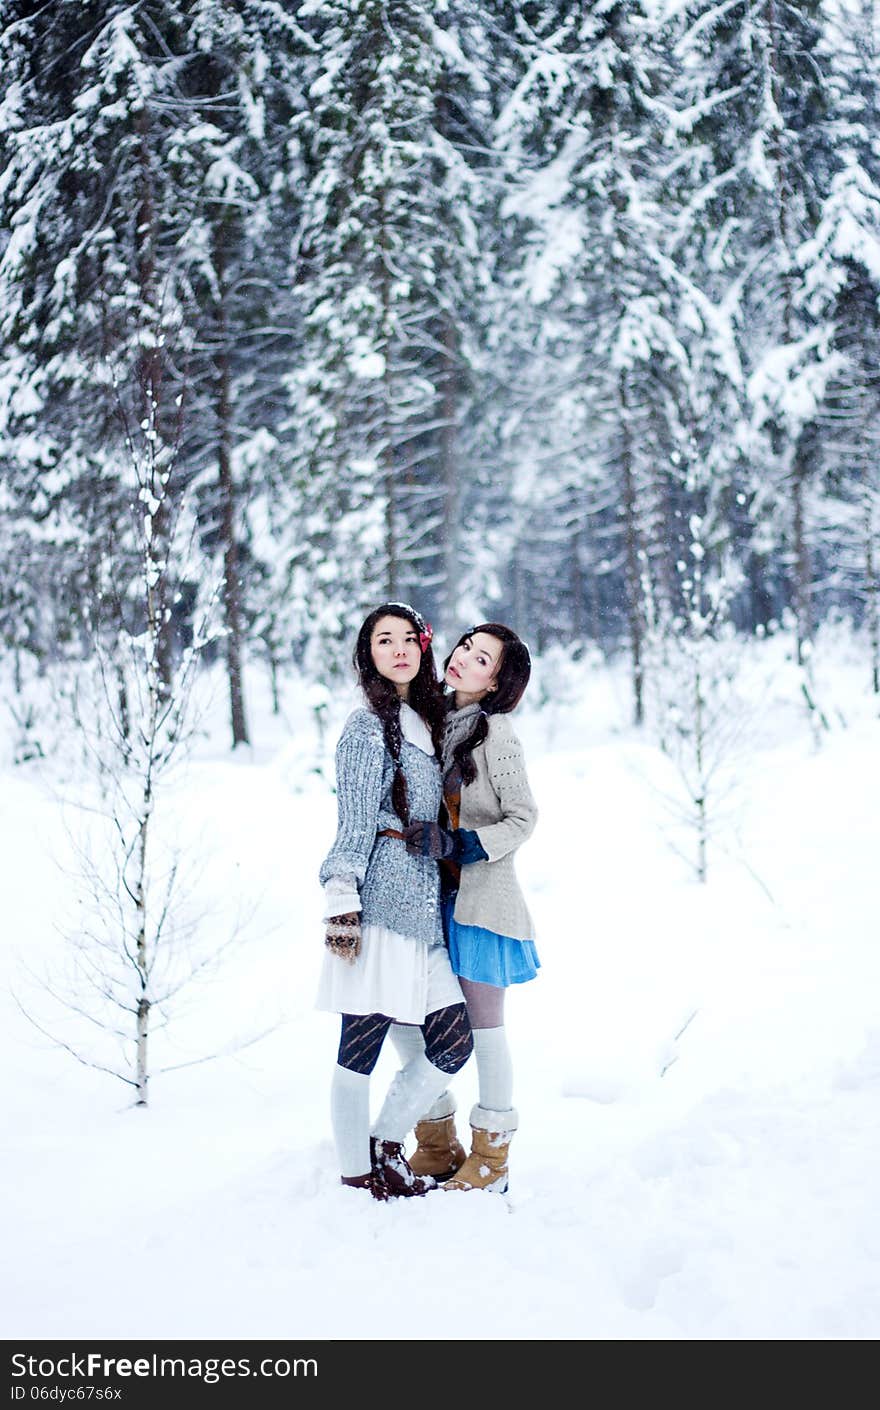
point(487, 958)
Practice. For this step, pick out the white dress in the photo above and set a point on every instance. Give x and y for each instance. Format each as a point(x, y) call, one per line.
point(394, 974)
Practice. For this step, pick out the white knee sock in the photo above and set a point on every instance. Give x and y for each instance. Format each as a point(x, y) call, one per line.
point(412, 1092)
point(350, 1118)
point(494, 1068)
point(409, 1041)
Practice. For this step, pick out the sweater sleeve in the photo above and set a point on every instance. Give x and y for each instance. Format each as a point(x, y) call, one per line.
point(341, 895)
point(360, 758)
point(507, 774)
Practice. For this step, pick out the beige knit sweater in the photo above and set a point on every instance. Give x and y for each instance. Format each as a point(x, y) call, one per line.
point(499, 807)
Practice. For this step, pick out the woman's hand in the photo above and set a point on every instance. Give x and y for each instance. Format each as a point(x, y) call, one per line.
point(429, 839)
point(343, 936)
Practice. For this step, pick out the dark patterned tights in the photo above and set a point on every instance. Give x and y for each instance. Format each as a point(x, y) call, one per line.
point(447, 1034)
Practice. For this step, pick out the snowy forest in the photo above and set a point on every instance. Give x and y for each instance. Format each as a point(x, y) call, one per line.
point(560, 313)
point(563, 314)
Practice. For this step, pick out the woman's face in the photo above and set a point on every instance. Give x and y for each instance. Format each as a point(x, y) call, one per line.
point(396, 653)
point(473, 667)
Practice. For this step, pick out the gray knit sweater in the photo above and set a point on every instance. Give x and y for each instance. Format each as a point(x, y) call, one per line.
point(397, 890)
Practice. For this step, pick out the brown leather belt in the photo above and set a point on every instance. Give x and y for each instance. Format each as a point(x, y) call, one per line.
point(391, 832)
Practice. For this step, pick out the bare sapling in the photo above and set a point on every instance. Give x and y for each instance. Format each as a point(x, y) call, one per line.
point(140, 934)
point(698, 713)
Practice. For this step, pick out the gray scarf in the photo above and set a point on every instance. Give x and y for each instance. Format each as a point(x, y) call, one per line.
point(459, 725)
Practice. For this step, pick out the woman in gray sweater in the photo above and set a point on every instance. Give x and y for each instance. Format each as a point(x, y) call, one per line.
point(488, 813)
point(385, 956)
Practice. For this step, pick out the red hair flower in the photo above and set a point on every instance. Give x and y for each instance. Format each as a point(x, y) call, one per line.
point(425, 637)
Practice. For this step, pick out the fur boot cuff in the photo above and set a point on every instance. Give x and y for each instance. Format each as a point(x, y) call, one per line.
point(485, 1120)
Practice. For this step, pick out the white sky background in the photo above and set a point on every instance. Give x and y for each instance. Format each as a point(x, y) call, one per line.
point(721, 1184)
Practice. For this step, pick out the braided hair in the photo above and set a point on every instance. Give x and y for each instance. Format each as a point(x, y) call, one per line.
point(425, 692)
point(511, 679)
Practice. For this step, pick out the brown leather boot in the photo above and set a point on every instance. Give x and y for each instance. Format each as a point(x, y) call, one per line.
point(371, 1181)
point(486, 1166)
point(392, 1168)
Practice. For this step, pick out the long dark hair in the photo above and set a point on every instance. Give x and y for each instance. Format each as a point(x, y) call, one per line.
point(511, 679)
point(425, 692)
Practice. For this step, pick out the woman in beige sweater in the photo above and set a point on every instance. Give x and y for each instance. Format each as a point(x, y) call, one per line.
point(488, 813)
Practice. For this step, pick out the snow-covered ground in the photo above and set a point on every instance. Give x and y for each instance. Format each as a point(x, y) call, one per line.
point(697, 1067)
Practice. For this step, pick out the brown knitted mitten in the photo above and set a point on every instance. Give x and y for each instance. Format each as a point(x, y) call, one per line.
point(343, 936)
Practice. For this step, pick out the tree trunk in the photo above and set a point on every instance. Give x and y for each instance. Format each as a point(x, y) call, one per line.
point(449, 386)
point(872, 605)
point(273, 682)
point(141, 1069)
point(802, 566)
point(788, 238)
point(699, 750)
point(387, 449)
point(231, 579)
point(449, 474)
point(635, 606)
point(519, 592)
point(150, 376)
point(579, 588)
point(138, 891)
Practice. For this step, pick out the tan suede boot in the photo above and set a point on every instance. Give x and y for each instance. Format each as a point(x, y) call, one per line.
point(486, 1166)
point(439, 1152)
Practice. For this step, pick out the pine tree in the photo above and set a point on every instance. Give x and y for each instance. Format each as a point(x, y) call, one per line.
point(390, 270)
point(237, 158)
point(153, 196)
point(588, 119)
point(758, 100)
point(91, 303)
point(842, 286)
